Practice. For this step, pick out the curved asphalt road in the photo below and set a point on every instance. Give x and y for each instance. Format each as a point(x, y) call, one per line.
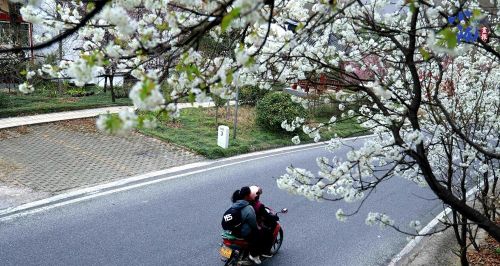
point(177, 222)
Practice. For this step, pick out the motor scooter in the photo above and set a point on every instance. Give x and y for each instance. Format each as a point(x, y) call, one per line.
point(234, 250)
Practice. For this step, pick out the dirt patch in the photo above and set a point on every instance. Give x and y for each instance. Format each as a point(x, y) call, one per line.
point(4, 134)
point(488, 254)
point(69, 100)
point(14, 132)
point(79, 125)
point(23, 130)
point(174, 124)
point(246, 115)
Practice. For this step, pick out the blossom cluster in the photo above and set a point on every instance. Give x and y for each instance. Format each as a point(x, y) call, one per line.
point(422, 96)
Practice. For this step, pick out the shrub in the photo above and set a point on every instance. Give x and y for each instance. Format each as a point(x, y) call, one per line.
point(46, 88)
point(275, 108)
point(79, 92)
point(251, 95)
point(218, 101)
point(326, 110)
point(121, 91)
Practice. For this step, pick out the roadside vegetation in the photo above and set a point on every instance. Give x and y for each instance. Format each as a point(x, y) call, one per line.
point(196, 129)
point(47, 99)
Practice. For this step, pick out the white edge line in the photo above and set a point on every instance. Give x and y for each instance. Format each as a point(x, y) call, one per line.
point(95, 190)
point(414, 242)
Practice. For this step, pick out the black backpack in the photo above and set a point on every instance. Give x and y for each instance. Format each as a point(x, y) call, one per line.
point(231, 221)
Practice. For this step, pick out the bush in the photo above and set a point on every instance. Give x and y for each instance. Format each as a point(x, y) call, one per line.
point(4, 100)
point(275, 108)
point(121, 91)
point(326, 110)
point(79, 92)
point(46, 88)
point(218, 101)
point(251, 95)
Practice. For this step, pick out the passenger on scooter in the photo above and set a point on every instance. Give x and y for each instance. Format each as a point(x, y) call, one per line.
point(249, 229)
point(265, 220)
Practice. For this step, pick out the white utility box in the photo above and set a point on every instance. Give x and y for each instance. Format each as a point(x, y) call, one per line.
point(223, 137)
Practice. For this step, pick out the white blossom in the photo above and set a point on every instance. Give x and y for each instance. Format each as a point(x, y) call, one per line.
point(146, 95)
point(340, 215)
point(26, 88)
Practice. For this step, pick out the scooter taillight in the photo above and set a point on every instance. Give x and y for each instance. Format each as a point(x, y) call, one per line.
point(227, 242)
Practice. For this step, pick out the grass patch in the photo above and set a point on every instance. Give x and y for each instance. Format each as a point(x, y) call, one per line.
point(197, 131)
point(346, 128)
point(20, 105)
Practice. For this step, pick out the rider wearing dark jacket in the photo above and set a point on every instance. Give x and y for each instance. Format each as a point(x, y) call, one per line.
point(248, 217)
point(249, 229)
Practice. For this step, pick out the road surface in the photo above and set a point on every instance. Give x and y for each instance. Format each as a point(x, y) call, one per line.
point(177, 222)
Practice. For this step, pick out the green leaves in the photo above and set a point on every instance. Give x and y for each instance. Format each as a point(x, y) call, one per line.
point(299, 27)
point(192, 97)
point(163, 27)
point(476, 14)
point(113, 124)
point(147, 87)
point(150, 119)
point(96, 58)
point(192, 71)
point(229, 17)
point(449, 38)
point(426, 55)
point(229, 76)
point(250, 62)
point(90, 6)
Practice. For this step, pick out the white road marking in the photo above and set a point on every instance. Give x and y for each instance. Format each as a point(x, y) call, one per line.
point(414, 242)
point(96, 191)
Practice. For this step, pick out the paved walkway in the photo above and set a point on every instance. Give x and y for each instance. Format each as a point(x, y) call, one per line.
point(43, 155)
point(55, 157)
point(46, 118)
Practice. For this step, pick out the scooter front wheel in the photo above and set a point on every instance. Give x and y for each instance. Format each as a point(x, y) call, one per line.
point(277, 242)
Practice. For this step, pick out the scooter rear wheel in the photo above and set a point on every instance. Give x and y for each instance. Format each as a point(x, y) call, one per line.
point(234, 258)
point(232, 261)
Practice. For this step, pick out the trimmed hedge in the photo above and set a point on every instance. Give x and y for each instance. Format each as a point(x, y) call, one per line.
point(251, 95)
point(275, 108)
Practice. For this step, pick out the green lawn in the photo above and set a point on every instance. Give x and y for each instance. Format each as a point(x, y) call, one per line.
point(20, 105)
point(196, 130)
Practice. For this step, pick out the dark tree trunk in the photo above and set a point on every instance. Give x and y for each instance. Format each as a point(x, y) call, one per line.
point(105, 82)
point(463, 244)
point(15, 25)
point(60, 50)
point(111, 88)
point(216, 117)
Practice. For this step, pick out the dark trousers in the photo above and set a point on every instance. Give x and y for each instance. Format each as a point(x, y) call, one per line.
point(261, 241)
point(254, 243)
point(267, 239)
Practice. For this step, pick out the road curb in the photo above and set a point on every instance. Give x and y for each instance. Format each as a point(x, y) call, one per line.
point(406, 251)
point(12, 122)
point(149, 178)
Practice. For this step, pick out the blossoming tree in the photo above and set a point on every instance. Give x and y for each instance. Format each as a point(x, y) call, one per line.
point(430, 98)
